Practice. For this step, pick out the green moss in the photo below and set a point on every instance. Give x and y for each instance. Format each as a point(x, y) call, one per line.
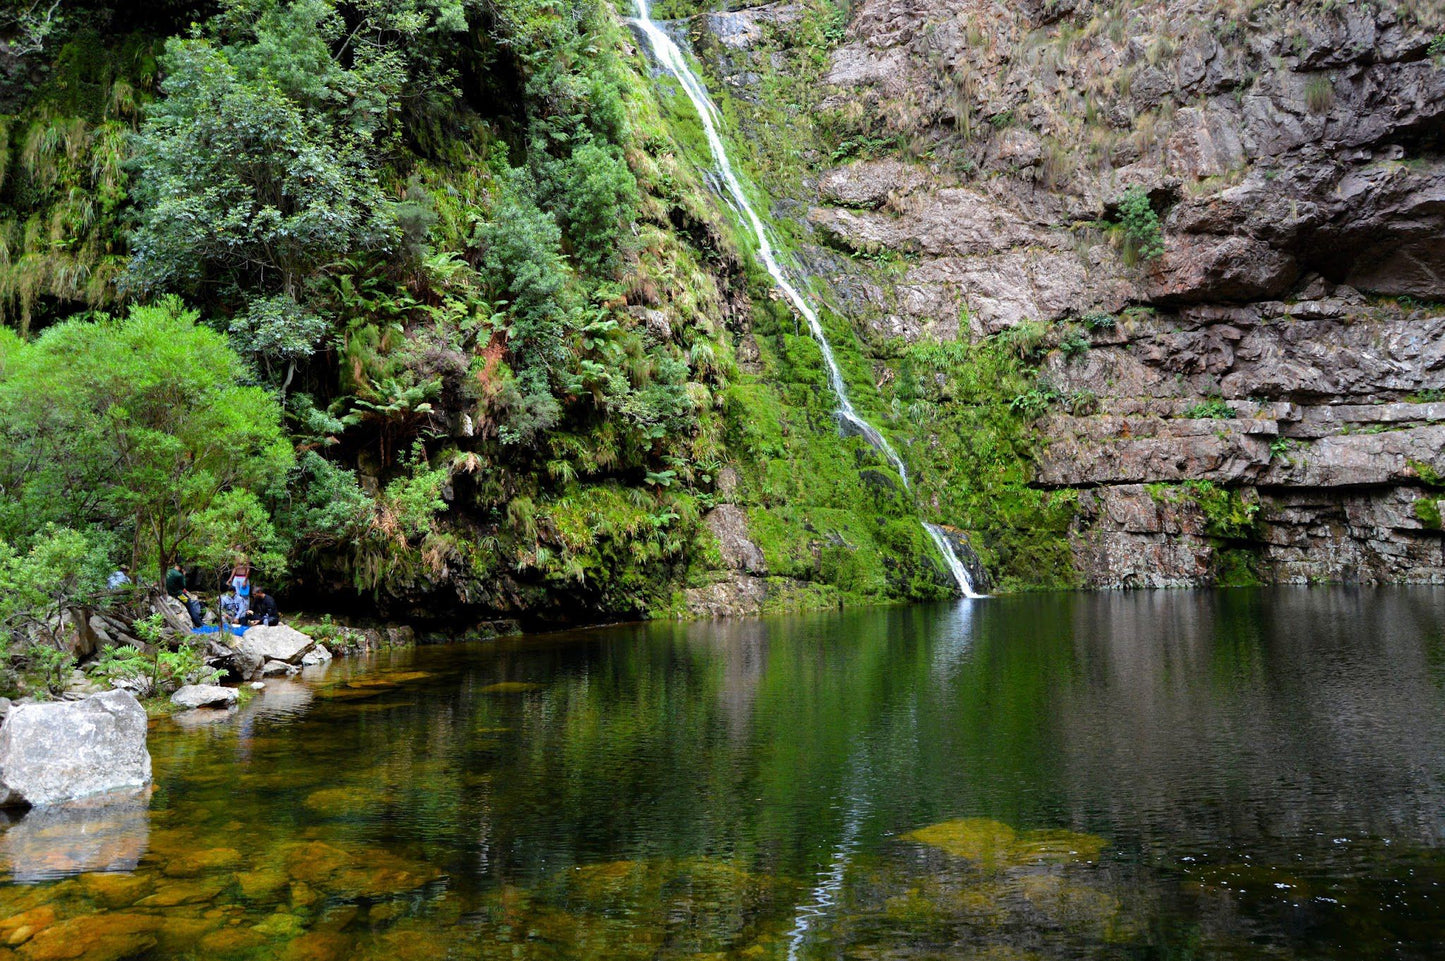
point(64, 182)
point(1427, 510)
point(1236, 567)
point(972, 448)
point(1428, 475)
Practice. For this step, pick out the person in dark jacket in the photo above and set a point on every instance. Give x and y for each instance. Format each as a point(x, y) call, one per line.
point(176, 587)
point(263, 610)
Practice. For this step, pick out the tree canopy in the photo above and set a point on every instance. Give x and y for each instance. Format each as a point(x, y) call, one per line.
point(135, 425)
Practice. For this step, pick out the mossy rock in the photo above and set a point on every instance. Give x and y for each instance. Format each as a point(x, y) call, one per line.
point(993, 844)
point(352, 873)
point(231, 942)
point(95, 937)
point(1079, 909)
point(981, 840)
point(389, 680)
point(264, 884)
point(21, 927)
point(115, 890)
point(319, 946)
point(282, 924)
point(510, 687)
point(170, 894)
point(195, 863)
point(704, 904)
point(337, 802)
point(350, 693)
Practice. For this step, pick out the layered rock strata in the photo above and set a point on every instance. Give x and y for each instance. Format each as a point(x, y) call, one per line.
point(1262, 395)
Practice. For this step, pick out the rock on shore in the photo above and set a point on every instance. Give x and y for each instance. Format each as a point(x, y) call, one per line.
point(205, 695)
point(62, 751)
point(250, 654)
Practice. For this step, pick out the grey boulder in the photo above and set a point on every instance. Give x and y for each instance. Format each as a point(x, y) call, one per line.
point(204, 695)
point(260, 645)
point(317, 655)
point(61, 751)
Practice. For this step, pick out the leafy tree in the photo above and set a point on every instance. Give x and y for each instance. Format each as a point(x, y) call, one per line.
point(577, 124)
point(138, 424)
point(247, 184)
point(61, 569)
point(23, 29)
point(595, 195)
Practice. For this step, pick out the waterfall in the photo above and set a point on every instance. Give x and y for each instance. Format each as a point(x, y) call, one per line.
point(671, 59)
point(955, 565)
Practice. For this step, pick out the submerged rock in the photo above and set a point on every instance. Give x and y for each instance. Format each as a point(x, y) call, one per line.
point(993, 844)
point(59, 752)
point(205, 695)
point(353, 872)
point(98, 937)
point(510, 687)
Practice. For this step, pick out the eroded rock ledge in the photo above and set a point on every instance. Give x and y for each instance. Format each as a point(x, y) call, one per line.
point(1264, 396)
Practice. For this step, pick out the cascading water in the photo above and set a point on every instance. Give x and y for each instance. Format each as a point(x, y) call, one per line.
point(671, 59)
point(955, 564)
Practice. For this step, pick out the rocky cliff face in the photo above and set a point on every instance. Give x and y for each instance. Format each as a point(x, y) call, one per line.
point(1255, 384)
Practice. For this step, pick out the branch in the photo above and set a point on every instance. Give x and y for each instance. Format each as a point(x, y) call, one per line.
point(23, 33)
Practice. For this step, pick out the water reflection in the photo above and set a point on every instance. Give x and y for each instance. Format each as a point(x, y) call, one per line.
point(1147, 775)
point(97, 834)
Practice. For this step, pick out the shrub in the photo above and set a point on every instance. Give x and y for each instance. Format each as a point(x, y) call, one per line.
point(524, 267)
point(135, 425)
point(1077, 342)
point(1143, 237)
point(162, 670)
point(1427, 510)
point(1215, 408)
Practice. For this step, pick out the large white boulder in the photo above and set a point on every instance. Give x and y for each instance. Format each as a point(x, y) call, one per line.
point(279, 643)
point(61, 751)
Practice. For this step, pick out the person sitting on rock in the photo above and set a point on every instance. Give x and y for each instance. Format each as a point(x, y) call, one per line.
point(263, 610)
point(233, 608)
point(176, 587)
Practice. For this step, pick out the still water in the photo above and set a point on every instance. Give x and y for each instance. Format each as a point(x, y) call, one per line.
point(1247, 774)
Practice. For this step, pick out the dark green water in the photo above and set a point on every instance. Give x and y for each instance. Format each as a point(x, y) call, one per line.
point(1160, 775)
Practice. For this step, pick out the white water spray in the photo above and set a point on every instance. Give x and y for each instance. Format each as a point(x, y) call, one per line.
point(955, 564)
point(671, 59)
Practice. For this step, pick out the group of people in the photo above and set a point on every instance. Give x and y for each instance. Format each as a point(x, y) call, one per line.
point(241, 605)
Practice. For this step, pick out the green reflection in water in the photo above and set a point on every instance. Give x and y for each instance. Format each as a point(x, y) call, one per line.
point(1181, 775)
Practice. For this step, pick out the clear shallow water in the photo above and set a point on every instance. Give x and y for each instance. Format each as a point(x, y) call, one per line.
point(1170, 775)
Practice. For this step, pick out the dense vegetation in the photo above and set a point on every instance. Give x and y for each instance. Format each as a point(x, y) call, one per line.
point(423, 303)
point(426, 305)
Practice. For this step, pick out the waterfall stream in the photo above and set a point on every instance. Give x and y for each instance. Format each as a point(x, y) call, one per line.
point(672, 60)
